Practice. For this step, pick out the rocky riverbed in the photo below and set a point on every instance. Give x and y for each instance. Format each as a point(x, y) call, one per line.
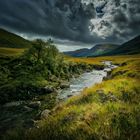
point(85, 80)
point(26, 113)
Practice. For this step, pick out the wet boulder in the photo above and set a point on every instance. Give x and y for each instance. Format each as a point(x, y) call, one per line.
point(70, 96)
point(13, 104)
point(29, 123)
point(98, 67)
point(45, 90)
point(35, 104)
point(64, 85)
point(27, 109)
point(45, 114)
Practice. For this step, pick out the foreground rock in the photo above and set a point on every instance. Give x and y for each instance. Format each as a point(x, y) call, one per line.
point(35, 104)
point(45, 114)
point(98, 67)
point(27, 109)
point(29, 123)
point(45, 90)
point(64, 85)
point(13, 104)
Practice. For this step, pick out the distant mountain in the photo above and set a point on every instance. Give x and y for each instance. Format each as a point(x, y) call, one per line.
point(97, 50)
point(10, 40)
point(101, 49)
point(78, 53)
point(130, 47)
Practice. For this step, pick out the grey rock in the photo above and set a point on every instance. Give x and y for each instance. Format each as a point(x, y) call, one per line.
point(100, 91)
point(35, 104)
point(48, 89)
point(64, 85)
point(29, 123)
point(112, 97)
point(27, 109)
point(88, 70)
point(13, 104)
point(70, 95)
point(45, 114)
point(102, 95)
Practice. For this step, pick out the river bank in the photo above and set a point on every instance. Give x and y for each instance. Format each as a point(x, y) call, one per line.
point(25, 113)
point(86, 80)
point(27, 101)
point(108, 110)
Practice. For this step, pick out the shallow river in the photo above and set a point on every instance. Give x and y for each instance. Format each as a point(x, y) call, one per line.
point(85, 80)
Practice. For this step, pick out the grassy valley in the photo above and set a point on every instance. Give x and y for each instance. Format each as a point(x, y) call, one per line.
point(29, 79)
point(32, 73)
point(11, 44)
point(109, 110)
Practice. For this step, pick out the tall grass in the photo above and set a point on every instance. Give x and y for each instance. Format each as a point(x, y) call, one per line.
point(106, 111)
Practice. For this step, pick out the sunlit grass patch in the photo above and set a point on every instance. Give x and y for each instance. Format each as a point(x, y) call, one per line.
point(11, 51)
point(97, 60)
point(108, 110)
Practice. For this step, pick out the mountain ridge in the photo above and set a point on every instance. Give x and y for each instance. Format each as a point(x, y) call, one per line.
point(97, 50)
point(130, 47)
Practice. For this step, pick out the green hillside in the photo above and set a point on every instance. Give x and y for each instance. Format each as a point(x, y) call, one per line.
point(10, 40)
point(130, 47)
point(12, 44)
point(101, 49)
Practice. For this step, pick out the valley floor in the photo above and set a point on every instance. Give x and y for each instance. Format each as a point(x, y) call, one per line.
point(106, 111)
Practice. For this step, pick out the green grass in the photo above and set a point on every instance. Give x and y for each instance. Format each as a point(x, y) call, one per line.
point(11, 44)
point(11, 51)
point(106, 111)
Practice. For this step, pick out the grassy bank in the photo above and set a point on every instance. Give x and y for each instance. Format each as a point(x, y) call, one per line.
point(33, 75)
point(106, 111)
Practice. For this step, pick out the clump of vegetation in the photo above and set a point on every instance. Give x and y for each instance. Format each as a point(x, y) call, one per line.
point(110, 110)
point(24, 77)
point(31, 76)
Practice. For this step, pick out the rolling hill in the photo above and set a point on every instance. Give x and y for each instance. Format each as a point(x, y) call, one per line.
point(11, 40)
point(11, 44)
point(128, 48)
point(97, 50)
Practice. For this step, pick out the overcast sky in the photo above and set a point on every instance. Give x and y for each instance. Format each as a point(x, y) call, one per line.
point(72, 23)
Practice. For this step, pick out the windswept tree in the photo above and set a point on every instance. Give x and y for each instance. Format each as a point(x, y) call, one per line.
point(44, 56)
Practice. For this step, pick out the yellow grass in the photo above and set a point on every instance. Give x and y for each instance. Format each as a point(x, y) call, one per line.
point(98, 60)
point(11, 51)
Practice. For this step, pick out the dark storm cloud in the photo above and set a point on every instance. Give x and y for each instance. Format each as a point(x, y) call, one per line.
point(88, 21)
point(60, 18)
point(99, 10)
point(125, 18)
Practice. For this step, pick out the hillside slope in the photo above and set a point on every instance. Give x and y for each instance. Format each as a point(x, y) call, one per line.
point(11, 40)
point(130, 47)
point(102, 49)
point(12, 44)
point(106, 111)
